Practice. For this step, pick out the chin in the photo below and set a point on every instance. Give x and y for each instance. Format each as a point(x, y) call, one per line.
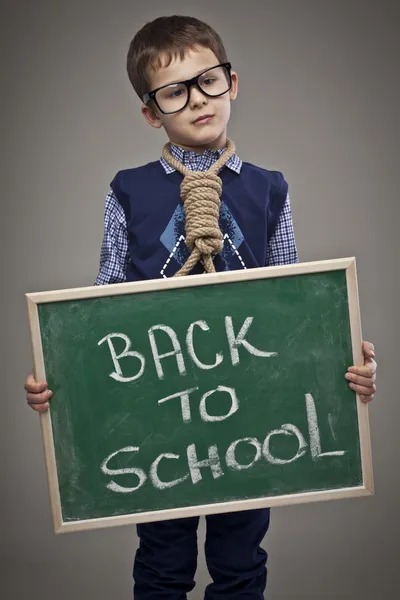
point(206, 138)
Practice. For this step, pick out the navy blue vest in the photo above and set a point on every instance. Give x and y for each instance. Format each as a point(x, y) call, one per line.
point(250, 207)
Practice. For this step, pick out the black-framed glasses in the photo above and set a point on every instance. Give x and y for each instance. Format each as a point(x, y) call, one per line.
point(174, 97)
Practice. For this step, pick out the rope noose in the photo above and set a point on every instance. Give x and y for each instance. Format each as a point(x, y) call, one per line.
point(201, 195)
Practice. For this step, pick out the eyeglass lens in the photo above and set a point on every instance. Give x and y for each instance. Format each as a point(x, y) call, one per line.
point(213, 82)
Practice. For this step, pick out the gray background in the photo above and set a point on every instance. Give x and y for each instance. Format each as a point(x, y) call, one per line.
point(319, 100)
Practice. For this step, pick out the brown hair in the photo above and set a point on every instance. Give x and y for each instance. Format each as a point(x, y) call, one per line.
point(170, 36)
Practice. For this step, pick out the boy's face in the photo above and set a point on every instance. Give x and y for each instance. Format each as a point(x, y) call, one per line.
point(183, 128)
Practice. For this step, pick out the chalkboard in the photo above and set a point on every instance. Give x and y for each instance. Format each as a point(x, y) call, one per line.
point(203, 394)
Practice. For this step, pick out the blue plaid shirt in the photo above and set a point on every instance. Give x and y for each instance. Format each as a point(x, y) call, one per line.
point(114, 256)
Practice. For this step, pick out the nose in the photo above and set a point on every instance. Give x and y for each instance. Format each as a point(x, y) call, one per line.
point(197, 98)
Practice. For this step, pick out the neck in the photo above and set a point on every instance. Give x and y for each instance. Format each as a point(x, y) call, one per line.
point(217, 144)
point(214, 169)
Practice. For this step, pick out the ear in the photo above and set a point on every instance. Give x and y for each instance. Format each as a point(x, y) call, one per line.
point(151, 116)
point(235, 84)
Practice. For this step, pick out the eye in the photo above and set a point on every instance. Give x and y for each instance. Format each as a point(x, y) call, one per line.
point(208, 81)
point(175, 94)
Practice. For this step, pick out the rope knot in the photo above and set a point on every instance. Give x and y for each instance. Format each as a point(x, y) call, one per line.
point(201, 196)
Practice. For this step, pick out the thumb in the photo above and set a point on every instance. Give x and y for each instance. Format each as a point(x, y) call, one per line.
point(368, 350)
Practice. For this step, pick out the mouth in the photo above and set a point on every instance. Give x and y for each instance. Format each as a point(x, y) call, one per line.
point(203, 119)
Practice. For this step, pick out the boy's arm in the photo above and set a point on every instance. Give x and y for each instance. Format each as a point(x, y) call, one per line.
point(282, 248)
point(282, 251)
point(114, 255)
point(113, 262)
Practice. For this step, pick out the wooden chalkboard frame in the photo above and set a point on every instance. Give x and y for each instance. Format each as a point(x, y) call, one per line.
point(347, 264)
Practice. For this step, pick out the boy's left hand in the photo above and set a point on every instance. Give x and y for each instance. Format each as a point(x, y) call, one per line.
point(362, 379)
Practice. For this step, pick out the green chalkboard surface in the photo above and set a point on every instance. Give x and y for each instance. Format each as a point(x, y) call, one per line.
point(204, 394)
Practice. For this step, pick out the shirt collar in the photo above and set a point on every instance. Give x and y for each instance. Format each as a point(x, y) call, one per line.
point(199, 162)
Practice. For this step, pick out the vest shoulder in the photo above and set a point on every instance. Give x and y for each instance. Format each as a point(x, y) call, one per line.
point(274, 178)
point(146, 170)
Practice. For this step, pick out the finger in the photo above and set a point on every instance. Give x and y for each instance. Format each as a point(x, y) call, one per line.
point(359, 380)
point(31, 385)
point(40, 407)
point(366, 399)
point(39, 398)
point(367, 370)
point(361, 390)
point(368, 349)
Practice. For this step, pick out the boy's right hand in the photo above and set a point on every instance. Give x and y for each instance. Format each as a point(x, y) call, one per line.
point(37, 394)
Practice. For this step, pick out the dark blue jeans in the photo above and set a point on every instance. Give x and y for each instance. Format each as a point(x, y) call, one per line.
point(166, 560)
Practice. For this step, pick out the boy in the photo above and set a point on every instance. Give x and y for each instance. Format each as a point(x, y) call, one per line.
point(180, 71)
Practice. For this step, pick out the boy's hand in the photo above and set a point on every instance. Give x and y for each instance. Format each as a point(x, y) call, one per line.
point(362, 379)
point(37, 394)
